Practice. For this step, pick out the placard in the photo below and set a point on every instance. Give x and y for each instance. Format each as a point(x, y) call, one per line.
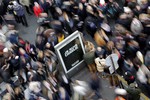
point(70, 51)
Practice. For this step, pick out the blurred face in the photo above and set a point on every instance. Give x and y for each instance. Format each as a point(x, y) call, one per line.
point(36, 4)
point(110, 0)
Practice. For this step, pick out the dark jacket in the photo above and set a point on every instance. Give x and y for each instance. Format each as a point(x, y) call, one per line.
point(89, 57)
point(134, 93)
point(19, 10)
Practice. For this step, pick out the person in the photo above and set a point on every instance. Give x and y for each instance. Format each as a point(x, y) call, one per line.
point(89, 56)
point(133, 92)
point(26, 4)
point(66, 84)
point(37, 9)
point(20, 13)
point(95, 85)
point(18, 94)
point(81, 12)
point(45, 5)
point(31, 50)
point(100, 61)
point(91, 21)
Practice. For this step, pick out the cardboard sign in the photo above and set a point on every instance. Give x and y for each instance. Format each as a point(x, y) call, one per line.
point(112, 62)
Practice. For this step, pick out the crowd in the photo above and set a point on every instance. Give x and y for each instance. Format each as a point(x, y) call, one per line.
point(123, 30)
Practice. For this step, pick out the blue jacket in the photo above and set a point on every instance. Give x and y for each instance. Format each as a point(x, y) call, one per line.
point(19, 10)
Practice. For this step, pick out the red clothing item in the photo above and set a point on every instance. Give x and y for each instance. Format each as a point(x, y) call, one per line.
point(37, 10)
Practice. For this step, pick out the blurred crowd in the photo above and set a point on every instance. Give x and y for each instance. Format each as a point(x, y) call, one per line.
point(32, 71)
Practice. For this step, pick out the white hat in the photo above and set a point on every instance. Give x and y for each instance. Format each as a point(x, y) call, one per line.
point(127, 9)
point(5, 50)
point(120, 91)
point(140, 56)
point(15, 2)
point(67, 3)
point(106, 27)
point(102, 2)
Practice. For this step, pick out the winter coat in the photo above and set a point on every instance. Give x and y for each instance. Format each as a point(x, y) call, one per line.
point(134, 93)
point(89, 57)
point(37, 10)
point(18, 10)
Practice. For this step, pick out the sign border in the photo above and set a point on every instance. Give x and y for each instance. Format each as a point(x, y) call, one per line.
point(63, 43)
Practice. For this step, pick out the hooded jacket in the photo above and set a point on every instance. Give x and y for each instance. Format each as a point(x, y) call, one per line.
point(18, 9)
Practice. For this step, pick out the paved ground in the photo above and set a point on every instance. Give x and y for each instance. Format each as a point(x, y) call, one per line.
point(28, 33)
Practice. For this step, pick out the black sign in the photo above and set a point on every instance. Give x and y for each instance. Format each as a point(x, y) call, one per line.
point(70, 51)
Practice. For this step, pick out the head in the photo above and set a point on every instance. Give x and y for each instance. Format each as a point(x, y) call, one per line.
point(110, 0)
point(123, 16)
point(58, 10)
point(22, 51)
point(89, 46)
point(17, 90)
point(83, 1)
point(99, 49)
point(36, 4)
point(102, 2)
point(15, 3)
point(89, 9)
point(6, 53)
point(48, 45)
point(80, 6)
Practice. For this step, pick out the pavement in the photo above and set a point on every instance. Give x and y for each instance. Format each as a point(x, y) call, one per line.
point(28, 33)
